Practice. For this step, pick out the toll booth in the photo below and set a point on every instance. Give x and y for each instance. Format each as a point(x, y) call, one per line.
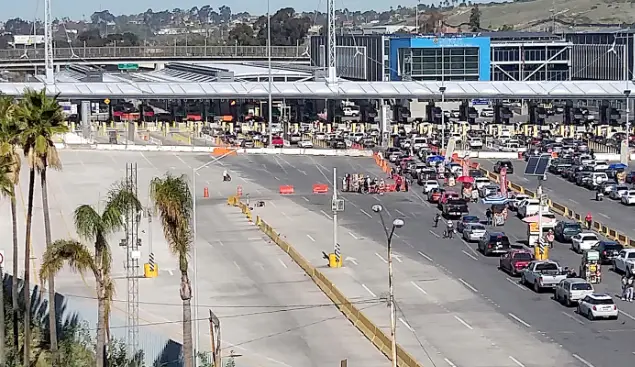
point(401, 113)
point(567, 117)
point(358, 127)
point(433, 113)
point(502, 114)
point(537, 114)
point(468, 113)
point(608, 115)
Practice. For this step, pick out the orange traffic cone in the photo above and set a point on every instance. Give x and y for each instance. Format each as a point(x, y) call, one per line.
point(205, 192)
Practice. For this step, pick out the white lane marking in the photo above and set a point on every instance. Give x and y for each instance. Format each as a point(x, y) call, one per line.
point(397, 257)
point(409, 244)
point(425, 256)
point(473, 251)
point(305, 198)
point(572, 317)
point(604, 215)
point(147, 160)
point(573, 201)
point(400, 212)
point(353, 235)
point(286, 216)
point(277, 179)
point(519, 320)
point(516, 361)
point(395, 235)
point(272, 204)
point(524, 179)
point(254, 238)
point(449, 362)
point(512, 281)
point(237, 266)
point(242, 178)
point(303, 172)
point(283, 264)
point(419, 288)
point(406, 324)
point(352, 259)
point(470, 255)
point(382, 259)
point(182, 161)
point(436, 235)
point(326, 215)
point(311, 238)
point(369, 291)
point(463, 322)
point(627, 315)
point(170, 272)
point(468, 285)
point(584, 361)
point(220, 242)
point(365, 213)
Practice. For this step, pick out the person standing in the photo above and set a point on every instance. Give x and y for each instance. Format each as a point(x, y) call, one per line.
point(629, 288)
point(588, 219)
point(624, 282)
point(488, 215)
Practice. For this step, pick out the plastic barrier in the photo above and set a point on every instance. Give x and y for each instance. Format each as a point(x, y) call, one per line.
point(566, 212)
point(374, 334)
point(320, 188)
point(287, 190)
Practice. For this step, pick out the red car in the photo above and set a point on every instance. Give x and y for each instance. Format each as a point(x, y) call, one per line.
point(515, 261)
point(434, 195)
point(277, 142)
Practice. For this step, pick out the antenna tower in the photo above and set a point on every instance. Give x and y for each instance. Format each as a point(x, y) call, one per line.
point(48, 43)
point(332, 42)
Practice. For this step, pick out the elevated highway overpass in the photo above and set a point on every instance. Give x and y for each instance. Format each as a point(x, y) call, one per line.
point(149, 55)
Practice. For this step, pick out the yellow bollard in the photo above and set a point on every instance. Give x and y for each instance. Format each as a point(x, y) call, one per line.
point(544, 255)
point(149, 272)
point(334, 262)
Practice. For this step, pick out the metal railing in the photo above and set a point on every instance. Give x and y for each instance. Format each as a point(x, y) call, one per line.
point(156, 53)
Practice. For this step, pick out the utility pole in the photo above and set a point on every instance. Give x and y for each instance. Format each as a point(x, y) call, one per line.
point(214, 332)
point(48, 43)
point(332, 43)
point(336, 245)
point(132, 243)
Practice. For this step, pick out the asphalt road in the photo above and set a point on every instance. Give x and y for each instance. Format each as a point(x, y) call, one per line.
point(529, 326)
point(580, 199)
point(270, 312)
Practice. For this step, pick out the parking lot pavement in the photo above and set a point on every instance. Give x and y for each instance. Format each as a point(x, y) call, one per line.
point(580, 199)
point(534, 320)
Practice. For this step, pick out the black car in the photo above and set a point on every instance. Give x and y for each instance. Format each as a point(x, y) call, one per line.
point(565, 230)
point(608, 250)
point(504, 164)
point(494, 243)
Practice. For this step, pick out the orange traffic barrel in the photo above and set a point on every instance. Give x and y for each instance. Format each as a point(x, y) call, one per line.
point(205, 192)
point(239, 191)
point(286, 190)
point(320, 188)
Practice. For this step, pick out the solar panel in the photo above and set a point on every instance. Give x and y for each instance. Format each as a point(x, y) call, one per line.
point(537, 166)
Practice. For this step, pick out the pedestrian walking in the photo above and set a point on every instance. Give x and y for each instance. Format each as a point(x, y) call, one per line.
point(630, 288)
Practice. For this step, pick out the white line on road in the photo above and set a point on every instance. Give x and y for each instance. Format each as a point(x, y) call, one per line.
point(170, 272)
point(470, 255)
point(516, 361)
point(449, 362)
point(573, 201)
point(409, 244)
point(524, 179)
point(303, 172)
point(425, 256)
point(468, 285)
point(286, 216)
point(604, 215)
point(305, 198)
point(369, 291)
point(512, 281)
point(435, 234)
point(283, 264)
point(182, 161)
point(584, 361)
point(147, 160)
point(326, 215)
point(519, 320)
point(272, 204)
point(406, 324)
point(382, 259)
point(365, 213)
point(311, 238)
point(396, 235)
point(220, 242)
point(572, 317)
point(400, 212)
point(627, 315)
point(353, 235)
point(419, 288)
point(237, 266)
point(277, 179)
point(254, 238)
point(463, 322)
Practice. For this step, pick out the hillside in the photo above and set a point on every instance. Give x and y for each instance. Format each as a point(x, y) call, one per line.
point(524, 15)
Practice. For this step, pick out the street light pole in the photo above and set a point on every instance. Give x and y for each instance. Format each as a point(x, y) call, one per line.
point(397, 223)
point(194, 252)
point(269, 77)
point(627, 94)
point(442, 90)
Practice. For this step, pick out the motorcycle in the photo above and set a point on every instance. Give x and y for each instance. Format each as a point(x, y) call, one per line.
point(227, 178)
point(599, 196)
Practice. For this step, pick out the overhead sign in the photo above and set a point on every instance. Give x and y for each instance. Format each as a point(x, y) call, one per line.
point(480, 102)
point(128, 66)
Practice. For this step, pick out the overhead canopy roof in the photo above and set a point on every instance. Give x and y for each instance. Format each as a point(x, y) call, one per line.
point(341, 90)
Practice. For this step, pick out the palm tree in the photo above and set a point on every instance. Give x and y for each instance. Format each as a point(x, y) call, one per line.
point(94, 226)
point(8, 153)
point(6, 189)
point(42, 118)
point(172, 197)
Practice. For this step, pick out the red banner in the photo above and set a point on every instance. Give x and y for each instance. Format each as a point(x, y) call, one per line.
point(503, 182)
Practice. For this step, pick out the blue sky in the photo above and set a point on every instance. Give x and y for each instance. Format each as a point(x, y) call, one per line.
point(30, 9)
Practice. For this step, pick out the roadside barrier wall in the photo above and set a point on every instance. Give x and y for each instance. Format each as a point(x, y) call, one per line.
point(376, 336)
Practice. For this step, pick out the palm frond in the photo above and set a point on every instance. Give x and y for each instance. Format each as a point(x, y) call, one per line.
point(120, 200)
point(87, 222)
point(67, 252)
point(6, 178)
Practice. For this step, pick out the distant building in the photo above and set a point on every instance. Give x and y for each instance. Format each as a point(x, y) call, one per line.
point(27, 40)
point(511, 56)
point(602, 54)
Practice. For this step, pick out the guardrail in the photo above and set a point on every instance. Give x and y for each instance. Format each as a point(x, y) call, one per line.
point(155, 53)
point(371, 331)
point(563, 210)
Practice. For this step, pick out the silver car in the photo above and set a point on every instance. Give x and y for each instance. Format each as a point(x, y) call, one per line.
point(618, 191)
point(473, 232)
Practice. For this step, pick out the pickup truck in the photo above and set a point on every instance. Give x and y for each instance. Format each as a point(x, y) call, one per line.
point(542, 274)
point(455, 208)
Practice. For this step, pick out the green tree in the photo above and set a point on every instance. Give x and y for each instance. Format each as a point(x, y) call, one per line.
point(172, 198)
point(6, 190)
point(42, 119)
point(95, 227)
point(475, 18)
point(8, 153)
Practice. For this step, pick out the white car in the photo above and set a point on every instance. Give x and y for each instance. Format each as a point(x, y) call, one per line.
point(473, 232)
point(572, 290)
point(305, 144)
point(487, 112)
point(624, 262)
point(429, 185)
point(530, 207)
point(455, 114)
point(617, 192)
point(584, 241)
point(600, 166)
point(476, 143)
point(516, 200)
point(488, 190)
point(595, 306)
point(320, 136)
point(628, 198)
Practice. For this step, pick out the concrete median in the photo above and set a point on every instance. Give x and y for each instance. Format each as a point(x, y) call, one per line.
point(371, 331)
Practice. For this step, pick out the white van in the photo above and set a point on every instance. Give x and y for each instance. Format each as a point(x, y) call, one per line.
point(599, 178)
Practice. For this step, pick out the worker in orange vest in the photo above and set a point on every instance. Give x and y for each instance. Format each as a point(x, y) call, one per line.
point(588, 220)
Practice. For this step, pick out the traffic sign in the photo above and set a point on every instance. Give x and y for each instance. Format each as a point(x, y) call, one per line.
point(128, 66)
point(107, 101)
point(1, 257)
